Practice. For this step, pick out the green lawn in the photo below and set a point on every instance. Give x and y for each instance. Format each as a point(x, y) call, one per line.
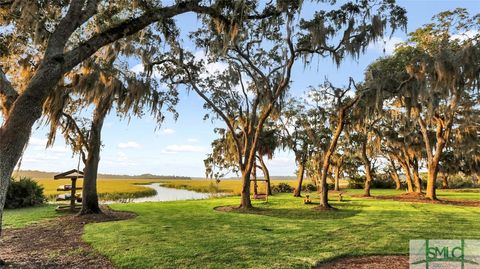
point(18, 218)
point(461, 194)
point(283, 234)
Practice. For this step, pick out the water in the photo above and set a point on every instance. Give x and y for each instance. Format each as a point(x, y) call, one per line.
point(169, 194)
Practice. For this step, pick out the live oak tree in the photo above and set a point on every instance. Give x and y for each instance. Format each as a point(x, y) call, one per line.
point(402, 143)
point(293, 137)
point(396, 132)
point(365, 143)
point(259, 63)
point(392, 171)
point(335, 105)
point(267, 145)
point(44, 41)
point(223, 158)
point(440, 67)
point(462, 152)
point(106, 84)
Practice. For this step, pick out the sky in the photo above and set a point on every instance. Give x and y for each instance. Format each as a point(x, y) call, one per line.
point(178, 147)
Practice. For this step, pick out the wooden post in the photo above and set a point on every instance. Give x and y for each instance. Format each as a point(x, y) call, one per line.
point(73, 198)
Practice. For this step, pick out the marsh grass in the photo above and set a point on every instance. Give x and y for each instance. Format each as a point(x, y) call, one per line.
point(108, 189)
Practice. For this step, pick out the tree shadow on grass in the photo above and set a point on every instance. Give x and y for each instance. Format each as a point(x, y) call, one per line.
point(304, 213)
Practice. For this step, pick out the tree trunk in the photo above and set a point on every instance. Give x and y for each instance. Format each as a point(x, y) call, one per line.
point(245, 201)
point(442, 135)
point(416, 176)
point(301, 172)
point(408, 175)
point(89, 192)
point(328, 154)
point(432, 179)
point(26, 110)
point(445, 181)
point(255, 185)
point(266, 175)
point(396, 179)
point(323, 187)
point(337, 177)
point(368, 170)
point(394, 174)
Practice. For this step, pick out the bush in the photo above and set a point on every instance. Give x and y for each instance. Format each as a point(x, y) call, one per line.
point(383, 184)
point(23, 193)
point(282, 187)
point(458, 183)
point(309, 187)
point(357, 182)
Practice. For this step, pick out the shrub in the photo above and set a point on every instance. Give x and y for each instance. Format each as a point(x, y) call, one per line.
point(282, 187)
point(357, 182)
point(458, 183)
point(309, 187)
point(23, 193)
point(383, 184)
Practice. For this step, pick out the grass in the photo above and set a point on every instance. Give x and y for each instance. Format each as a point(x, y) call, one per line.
point(283, 233)
point(465, 194)
point(19, 218)
point(108, 189)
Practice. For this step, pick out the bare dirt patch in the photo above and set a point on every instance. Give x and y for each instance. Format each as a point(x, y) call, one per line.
point(55, 243)
point(236, 208)
point(420, 198)
point(367, 262)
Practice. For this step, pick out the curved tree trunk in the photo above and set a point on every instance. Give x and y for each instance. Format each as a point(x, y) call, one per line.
point(301, 172)
point(416, 176)
point(445, 181)
point(254, 174)
point(394, 174)
point(89, 192)
point(331, 149)
point(442, 134)
point(368, 170)
point(338, 170)
point(17, 126)
point(396, 179)
point(408, 175)
point(323, 187)
point(266, 174)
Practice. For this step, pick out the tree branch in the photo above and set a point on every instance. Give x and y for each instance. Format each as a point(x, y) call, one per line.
point(8, 95)
point(129, 27)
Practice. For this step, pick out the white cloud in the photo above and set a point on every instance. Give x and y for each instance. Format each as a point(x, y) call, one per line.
point(139, 68)
point(37, 141)
point(211, 68)
point(386, 46)
point(121, 156)
point(183, 148)
point(168, 131)
point(129, 145)
point(59, 149)
point(465, 35)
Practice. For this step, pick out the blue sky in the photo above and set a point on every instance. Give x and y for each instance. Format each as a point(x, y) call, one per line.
point(179, 147)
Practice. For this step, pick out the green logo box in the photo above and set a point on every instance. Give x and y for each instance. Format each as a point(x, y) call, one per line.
point(444, 254)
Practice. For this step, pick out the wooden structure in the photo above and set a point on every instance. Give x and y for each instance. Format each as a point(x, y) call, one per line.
point(73, 175)
point(257, 196)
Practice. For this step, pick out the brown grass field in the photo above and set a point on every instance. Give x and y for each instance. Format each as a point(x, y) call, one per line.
point(114, 189)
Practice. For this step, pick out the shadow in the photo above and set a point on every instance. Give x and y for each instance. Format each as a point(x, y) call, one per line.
point(309, 212)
